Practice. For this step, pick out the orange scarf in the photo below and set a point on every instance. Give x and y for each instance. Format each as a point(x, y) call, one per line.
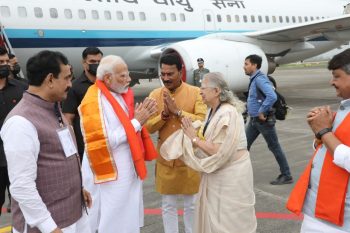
point(96, 142)
point(333, 184)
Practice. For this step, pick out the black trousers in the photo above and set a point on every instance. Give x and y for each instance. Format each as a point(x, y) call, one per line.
point(4, 183)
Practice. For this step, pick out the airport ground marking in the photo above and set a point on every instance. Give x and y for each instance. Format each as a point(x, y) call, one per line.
point(6, 229)
point(259, 215)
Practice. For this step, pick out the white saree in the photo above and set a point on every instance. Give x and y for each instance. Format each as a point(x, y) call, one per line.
point(226, 199)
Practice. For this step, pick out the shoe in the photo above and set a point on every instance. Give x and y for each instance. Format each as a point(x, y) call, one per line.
point(282, 179)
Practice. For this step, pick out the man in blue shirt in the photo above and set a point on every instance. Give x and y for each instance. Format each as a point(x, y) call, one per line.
point(261, 98)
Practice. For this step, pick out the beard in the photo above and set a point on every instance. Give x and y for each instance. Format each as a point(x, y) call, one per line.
point(120, 90)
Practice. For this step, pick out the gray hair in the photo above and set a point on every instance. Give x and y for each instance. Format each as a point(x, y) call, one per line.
point(107, 64)
point(216, 79)
point(346, 68)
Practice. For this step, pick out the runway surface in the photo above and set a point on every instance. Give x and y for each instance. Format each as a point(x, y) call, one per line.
point(303, 88)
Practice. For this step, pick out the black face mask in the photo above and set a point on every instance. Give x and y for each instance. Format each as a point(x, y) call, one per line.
point(93, 69)
point(16, 69)
point(4, 71)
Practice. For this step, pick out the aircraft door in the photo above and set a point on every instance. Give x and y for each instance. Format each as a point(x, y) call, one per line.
point(4, 42)
point(209, 21)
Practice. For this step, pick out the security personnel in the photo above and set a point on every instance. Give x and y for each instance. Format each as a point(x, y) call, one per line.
point(91, 59)
point(199, 73)
point(11, 92)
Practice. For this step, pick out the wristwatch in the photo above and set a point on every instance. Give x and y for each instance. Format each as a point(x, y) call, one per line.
point(322, 132)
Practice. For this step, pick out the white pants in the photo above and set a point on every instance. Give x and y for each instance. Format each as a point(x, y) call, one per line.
point(169, 213)
point(312, 225)
point(82, 225)
point(117, 206)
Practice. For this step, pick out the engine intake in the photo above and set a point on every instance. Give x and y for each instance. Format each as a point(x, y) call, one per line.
point(222, 56)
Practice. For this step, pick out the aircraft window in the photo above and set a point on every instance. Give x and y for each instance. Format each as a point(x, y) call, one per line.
point(163, 16)
point(294, 19)
point(312, 18)
point(267, 19)
point(287, 19)
point(5, 11)
point(237, 18)
point(94, 14)
point(306, 19)
point(245, 18)
point(82, 14)
point(260, 19)
point(108, 15)
point(318, 18)
point(182, 17)
point(22, 11)
point(300, 19)
point(38, 12)
point(142, 16)
point(252, 18)
point(68, 13)
point(322, 17)
point(53, 13)
point(228, 18)
point(281, 19)
point(219, 18)
point(131, 15)
point(172, 17)
point(274, 19)
point(120, 15)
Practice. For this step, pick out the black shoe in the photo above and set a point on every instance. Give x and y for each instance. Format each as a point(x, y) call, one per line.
point(282, 179)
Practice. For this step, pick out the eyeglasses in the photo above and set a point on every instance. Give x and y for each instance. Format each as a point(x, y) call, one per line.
point(204, 88)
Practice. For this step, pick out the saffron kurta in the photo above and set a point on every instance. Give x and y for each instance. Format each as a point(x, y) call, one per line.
point(174, 177)
point(225, 201)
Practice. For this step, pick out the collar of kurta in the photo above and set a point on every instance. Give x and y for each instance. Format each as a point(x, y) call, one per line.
point(178, 89)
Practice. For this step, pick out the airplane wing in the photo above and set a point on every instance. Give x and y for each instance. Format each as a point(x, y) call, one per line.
point(330, 27)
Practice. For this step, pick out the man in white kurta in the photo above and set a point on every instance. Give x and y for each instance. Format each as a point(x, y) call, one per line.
point(121, 198)
point(117, 203)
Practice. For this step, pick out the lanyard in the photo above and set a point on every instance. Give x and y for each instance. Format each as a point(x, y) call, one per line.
point(58, 115)
point(211, 114)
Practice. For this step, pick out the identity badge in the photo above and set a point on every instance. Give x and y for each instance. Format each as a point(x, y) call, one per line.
point(67, 142)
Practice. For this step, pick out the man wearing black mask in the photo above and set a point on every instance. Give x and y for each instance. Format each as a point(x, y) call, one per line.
point(11, 92)
point(91, 59)
point(15, 69)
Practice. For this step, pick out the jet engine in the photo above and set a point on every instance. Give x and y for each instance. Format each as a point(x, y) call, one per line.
point(222, 56)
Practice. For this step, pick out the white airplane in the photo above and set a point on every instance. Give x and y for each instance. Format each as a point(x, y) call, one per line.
point(223, 32)
point(328, 55)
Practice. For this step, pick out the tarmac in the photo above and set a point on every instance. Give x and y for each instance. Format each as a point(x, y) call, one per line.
point(303, 89)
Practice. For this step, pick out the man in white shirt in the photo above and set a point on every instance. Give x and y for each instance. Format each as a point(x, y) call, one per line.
point(43, 164)
point(323, 192)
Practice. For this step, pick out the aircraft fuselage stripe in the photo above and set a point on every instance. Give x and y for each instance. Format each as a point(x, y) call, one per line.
point(100, 42)
point(49, 38)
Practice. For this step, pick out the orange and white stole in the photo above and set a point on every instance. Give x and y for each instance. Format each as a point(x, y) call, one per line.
point(96, 141)
point(333, 184)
